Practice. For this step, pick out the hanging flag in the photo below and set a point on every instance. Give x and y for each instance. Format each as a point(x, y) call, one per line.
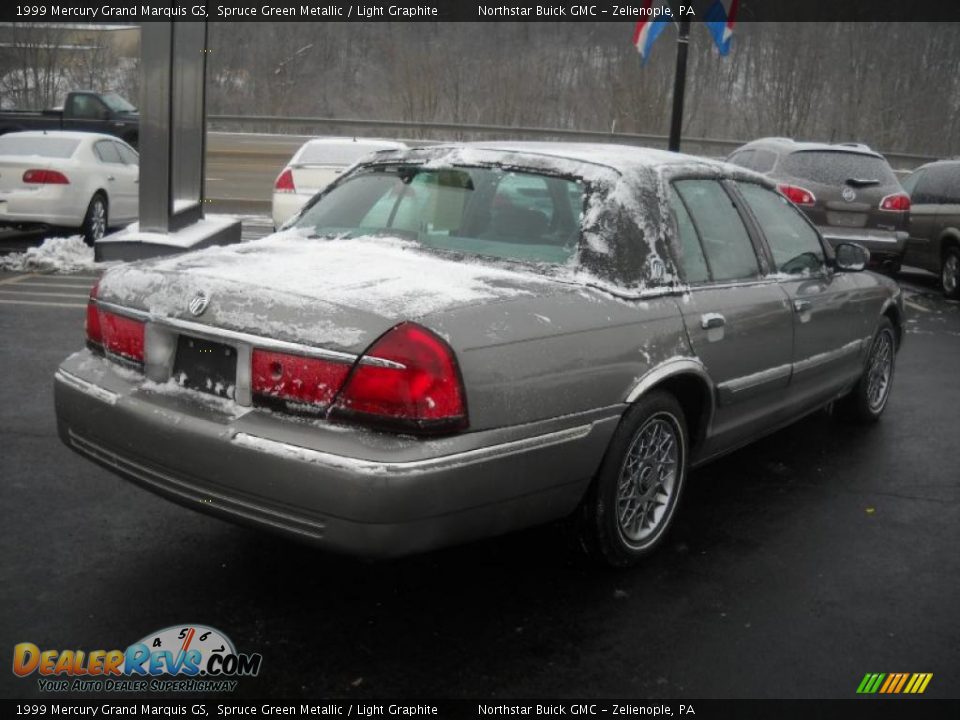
point(654, 20)
point(720, 19)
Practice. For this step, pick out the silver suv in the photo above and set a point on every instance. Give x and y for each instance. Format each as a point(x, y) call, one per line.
point(847, 190)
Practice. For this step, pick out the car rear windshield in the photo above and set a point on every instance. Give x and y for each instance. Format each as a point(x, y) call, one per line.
point(334, 154)
point(478, 211)
point(836, 167)
point(41, 146)
point(117, 103)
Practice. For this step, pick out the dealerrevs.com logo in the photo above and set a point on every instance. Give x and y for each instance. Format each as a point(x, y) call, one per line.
point(187, 658)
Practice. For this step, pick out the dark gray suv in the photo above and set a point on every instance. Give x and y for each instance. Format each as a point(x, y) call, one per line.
point(934, 242)
point(847, 190)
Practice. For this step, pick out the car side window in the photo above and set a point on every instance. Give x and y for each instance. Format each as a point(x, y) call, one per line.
point(909, 184)
point(692, 260)
point(726, 245)
point(107, 152)
point(743, 158)
point(952, 190)
point(795, 245)
point(936, 185)
point(128, 155)
point(87, 107)
point(764, 161)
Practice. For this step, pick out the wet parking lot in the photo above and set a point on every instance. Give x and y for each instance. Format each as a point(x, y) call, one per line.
point(796, 566)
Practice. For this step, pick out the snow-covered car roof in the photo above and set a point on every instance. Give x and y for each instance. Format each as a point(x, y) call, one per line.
point(621, 158)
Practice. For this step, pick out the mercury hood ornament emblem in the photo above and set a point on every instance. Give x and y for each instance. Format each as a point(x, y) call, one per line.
point(198, 304)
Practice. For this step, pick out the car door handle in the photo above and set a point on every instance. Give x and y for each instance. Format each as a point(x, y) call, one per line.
point(801, 306)
point(712, 320)
point(111, 178)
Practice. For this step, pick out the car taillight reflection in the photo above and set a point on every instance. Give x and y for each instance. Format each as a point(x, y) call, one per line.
point(284, 183)
point(797, 194)
point(898, 202)
point(409, 381)
point(113, 334)
point(297, 379)
point(45, 177)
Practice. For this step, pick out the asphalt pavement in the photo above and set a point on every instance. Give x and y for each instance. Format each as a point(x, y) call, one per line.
point(796, 566)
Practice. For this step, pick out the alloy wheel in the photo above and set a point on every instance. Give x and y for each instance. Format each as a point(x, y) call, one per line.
point(950, 276)
point(98, 219)
point(648, 479)
point(880, 371)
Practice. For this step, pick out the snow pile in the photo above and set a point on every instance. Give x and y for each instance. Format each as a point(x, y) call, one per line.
point(62, 255)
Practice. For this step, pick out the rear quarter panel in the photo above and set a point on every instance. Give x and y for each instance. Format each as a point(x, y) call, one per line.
point(534, 358)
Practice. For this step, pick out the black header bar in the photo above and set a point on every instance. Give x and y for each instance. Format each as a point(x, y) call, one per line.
point(128, 11)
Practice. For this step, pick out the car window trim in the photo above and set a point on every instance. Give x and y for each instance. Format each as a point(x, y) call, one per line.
point(773, 270)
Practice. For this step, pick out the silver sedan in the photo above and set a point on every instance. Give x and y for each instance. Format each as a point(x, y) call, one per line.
point(455, 342)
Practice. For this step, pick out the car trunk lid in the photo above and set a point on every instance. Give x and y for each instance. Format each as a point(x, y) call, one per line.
point(13, 168)
point(311, 179)
point(339, 294)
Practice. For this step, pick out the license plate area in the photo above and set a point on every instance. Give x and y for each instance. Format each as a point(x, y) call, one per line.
point(206, 366)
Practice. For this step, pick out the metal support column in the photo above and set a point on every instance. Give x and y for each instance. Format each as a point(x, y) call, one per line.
point(172, 149)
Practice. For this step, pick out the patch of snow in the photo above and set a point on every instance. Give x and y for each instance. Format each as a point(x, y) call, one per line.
point(60, 255)
point(383, 276)
point(172, 388)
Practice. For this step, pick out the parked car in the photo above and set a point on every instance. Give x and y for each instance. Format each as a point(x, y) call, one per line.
point(106, 113)
point(847, 190)
point(934, 242)
point(432, 352)
point(76, 181)
point(315, 165)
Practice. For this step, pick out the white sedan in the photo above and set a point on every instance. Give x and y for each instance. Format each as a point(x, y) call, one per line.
point(71, 180)
point(314, 166)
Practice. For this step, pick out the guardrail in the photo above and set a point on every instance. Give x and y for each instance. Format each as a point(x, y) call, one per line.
point(462, 131)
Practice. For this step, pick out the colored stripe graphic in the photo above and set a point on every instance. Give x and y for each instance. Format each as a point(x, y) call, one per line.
point(894, 683)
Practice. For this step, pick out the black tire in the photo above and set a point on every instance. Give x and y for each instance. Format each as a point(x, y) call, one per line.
point(864, 404)
point(950, 280)
point(601, 526)
point(96, 221)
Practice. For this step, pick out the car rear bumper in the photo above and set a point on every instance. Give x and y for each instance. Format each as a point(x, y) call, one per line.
point(882, 244)
point(47, 206)
point(349, 490)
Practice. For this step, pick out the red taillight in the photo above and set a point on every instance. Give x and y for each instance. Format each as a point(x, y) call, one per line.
point(310, 381)
point(122, 336)
point(45, 177)
point(284, 183)
point(94, 334)
point(796, 194)
point(407, 379)
point(112, 333)
point(898, 202)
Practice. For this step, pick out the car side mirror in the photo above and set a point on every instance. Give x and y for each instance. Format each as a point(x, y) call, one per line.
point(850, 257)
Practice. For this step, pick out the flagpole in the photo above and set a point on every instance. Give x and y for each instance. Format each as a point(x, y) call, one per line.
point(679, 84)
